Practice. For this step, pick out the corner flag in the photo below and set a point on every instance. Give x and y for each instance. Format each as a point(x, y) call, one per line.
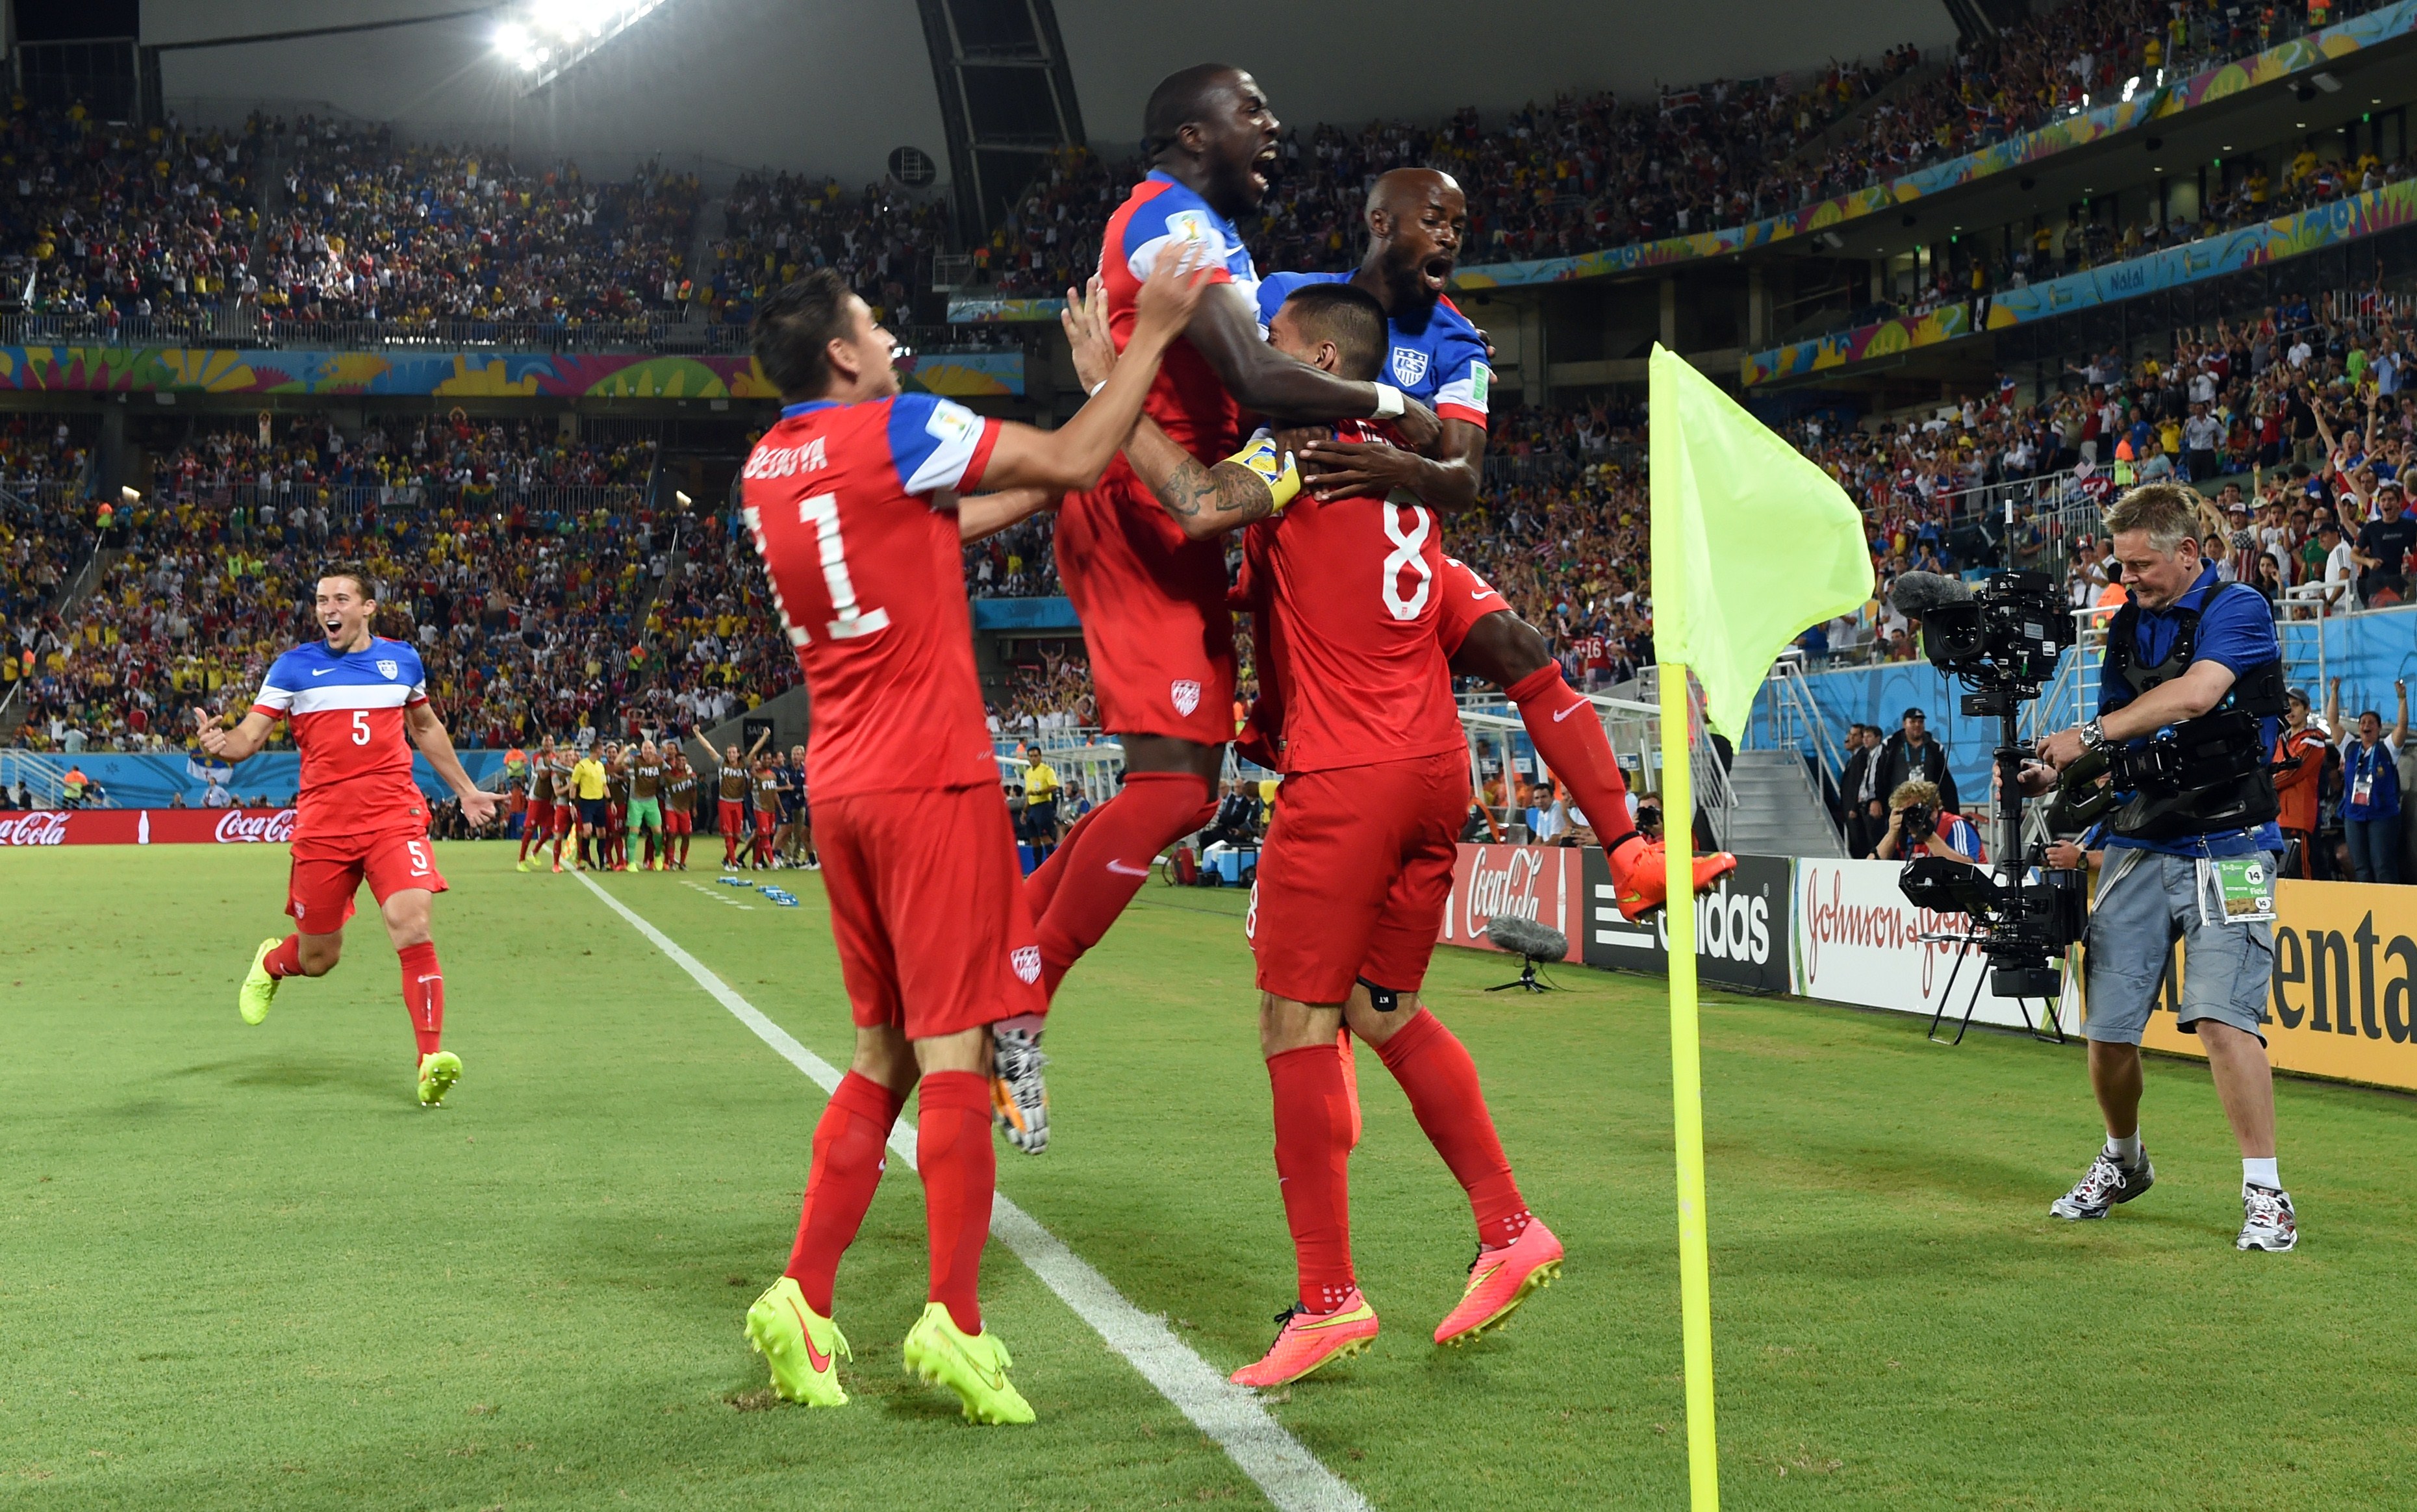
point(1751, 541)
point(1791, 554)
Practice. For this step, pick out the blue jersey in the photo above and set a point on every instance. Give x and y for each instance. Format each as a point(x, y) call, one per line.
point(2236, 627)
point(1439, 362)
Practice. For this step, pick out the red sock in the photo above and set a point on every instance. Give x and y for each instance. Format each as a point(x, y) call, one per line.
point(526, 835)
point(848, 1144)
point(960, 1169)
point(423, 995)
point(1040, 888)
point(1567, 735)
point(558, 849)
point(286, 960)
point(729, 850)
point(1313, 1160)
point(1434, 1068)
point(1120, 848)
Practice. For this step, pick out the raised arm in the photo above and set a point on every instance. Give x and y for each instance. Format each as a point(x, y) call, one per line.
point(1076, 454)
point(984, 515)
point(2399, 726)
point(239, 744)
point(1225, 330)
point(1210, 500)
point(1449, 481)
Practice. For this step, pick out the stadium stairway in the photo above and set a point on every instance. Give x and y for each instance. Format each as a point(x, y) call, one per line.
point(1774, 809)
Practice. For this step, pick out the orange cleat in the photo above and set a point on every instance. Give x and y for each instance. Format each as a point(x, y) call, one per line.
point(1500, 1280)
point(1640, 876)
point(1311, 1339)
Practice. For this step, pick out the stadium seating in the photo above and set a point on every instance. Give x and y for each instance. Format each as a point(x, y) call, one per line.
point(778, 226)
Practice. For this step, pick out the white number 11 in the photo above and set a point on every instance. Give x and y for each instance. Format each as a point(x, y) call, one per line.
point(849, 619)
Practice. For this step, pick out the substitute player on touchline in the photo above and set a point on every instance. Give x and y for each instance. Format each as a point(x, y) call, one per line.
point(349, 699)
point(852, 500)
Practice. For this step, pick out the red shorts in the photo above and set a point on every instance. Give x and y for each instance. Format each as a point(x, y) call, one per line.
point(327, 873)
point(1466, 598)
point(734, 818)
point(1152, 604)
point(616, 817)
point(678, 821)
point(1355, 874)
point(928, 909)
point(766, 821)
point(566, 818)
point(539, 815)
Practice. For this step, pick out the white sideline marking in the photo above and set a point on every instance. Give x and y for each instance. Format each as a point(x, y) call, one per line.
point(1258, 1444)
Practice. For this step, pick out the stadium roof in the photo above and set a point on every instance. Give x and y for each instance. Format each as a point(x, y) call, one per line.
point(819, 86)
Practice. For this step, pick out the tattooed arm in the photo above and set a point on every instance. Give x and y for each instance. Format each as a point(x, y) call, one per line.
point(1252, 484)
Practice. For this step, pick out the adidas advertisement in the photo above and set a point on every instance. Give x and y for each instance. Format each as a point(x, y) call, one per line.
point(1741, 927)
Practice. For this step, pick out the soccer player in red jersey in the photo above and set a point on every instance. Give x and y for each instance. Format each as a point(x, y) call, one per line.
point(349, 699)
point(1159, 638)
point(852, 501)
point(537, 822)
point(680, 805)
point(1357, 863)
point(1415, 219)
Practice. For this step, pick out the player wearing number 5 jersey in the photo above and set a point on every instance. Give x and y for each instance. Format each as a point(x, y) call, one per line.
point(350, 699)
point(853, 500)
point(1358, 865)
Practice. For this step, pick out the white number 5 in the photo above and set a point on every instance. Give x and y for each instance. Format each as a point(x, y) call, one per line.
point(419, 856)
point(360, 727)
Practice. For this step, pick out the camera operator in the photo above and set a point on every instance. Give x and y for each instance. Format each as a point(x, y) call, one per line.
point(2185, 646)
point(1919, 826)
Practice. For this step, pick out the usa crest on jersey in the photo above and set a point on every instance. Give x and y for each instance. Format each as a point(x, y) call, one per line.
point(388, 668)
point(1186, 695)
point(1409, 366)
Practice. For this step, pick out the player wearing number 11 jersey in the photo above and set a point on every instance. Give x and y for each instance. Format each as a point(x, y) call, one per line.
point(349, 699)
point(853, 500)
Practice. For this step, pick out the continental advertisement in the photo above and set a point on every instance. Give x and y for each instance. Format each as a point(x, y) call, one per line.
point(2344, 1001)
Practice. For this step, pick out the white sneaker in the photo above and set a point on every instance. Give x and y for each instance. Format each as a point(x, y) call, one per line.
point(2108, 1182)
point(2267, 1221)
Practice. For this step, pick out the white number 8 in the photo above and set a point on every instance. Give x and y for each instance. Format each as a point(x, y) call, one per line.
point(360, 727)
point(1408, 552)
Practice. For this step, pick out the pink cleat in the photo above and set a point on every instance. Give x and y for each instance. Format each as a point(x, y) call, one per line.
point(1500, 1280)
point(1311, 1339)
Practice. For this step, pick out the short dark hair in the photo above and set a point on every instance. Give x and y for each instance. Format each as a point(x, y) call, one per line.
point(795, 329)
point(1179, 99)
point(1349, 317)
point(360, 574)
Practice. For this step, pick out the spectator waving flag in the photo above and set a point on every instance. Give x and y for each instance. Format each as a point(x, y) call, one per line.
point(1791, 554)
point(1751, 541)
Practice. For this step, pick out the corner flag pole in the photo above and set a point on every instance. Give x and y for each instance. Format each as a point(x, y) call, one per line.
point(1687, 1091)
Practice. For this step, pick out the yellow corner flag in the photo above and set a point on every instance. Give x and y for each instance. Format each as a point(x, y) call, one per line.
point(1751, 542)
point(1791, 554)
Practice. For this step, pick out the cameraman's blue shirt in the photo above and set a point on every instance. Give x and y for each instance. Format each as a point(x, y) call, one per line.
point(2236, 627)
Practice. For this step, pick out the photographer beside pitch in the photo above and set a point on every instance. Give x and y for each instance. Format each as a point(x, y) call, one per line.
point(2193, 859)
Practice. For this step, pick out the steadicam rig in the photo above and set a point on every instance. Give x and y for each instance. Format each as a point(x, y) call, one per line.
point(2002, 642)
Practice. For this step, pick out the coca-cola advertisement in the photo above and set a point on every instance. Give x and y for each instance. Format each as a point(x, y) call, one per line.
point(148, 826)
point(1539, 882)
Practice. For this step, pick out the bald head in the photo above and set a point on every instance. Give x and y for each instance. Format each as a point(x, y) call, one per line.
point(1403, 191)
point(1416, 218)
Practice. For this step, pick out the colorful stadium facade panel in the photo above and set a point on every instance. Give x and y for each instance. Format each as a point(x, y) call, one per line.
point(2269, 241)
point(492, 374)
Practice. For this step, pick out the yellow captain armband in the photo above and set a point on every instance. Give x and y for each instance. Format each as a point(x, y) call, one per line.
point(1276, 468)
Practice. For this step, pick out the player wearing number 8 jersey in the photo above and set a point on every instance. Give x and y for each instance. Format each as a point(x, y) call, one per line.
point(1358, 864)
point(852, 501)
point(349, 699)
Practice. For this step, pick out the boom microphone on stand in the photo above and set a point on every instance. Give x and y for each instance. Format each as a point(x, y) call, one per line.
point(1531, 941)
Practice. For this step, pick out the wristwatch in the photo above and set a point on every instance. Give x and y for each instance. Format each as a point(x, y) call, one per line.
point(2094, 738)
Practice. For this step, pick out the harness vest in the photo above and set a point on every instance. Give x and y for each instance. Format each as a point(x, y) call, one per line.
point(2209, 775)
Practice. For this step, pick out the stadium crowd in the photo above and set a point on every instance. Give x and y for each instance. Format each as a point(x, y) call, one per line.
point(779, 226)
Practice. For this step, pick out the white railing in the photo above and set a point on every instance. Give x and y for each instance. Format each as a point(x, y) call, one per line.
point(43, 776)
point(1793, 720)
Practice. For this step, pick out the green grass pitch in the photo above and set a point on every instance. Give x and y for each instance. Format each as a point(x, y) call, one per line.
point(240, 1268)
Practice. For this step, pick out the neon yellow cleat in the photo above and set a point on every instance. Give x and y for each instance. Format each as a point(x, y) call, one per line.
point(801, 1346)
point(259, 988)
point(973, 1365)
point(438, 1074)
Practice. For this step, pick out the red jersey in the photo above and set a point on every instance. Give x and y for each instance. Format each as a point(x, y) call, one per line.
point(1162, 217)
point(346, 709)
point(870, 584)
point(1345, 596)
